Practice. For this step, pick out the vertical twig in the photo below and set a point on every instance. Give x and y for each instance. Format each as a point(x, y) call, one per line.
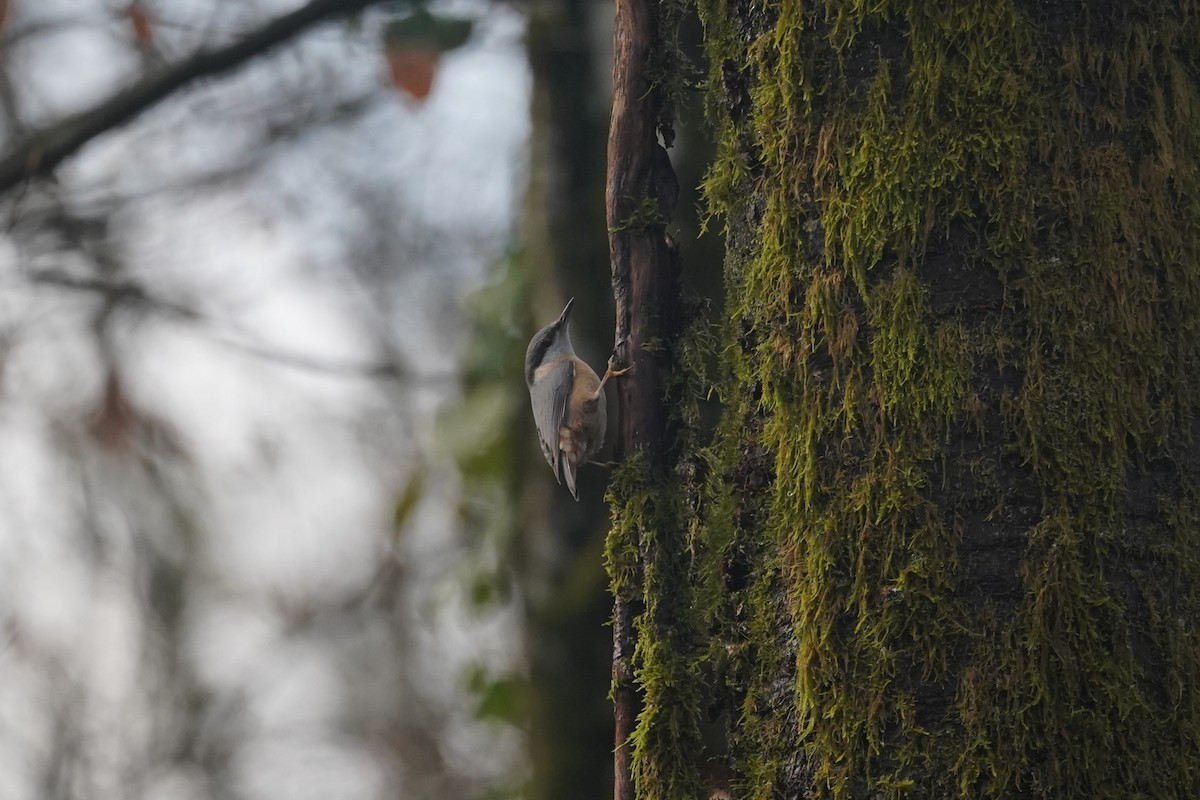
point(640, 198)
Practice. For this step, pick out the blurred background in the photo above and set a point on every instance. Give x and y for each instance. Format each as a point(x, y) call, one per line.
point(273, 520)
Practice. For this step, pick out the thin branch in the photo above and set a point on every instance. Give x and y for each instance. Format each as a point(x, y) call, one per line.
point(114, 291)
point(102, 202)
point(131, 294)
point(387, 369)
point(40, 152)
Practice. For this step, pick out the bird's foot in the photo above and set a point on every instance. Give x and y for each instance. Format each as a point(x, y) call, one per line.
point(613, 371)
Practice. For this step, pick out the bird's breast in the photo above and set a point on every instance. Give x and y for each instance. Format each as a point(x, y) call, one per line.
point(582, 432)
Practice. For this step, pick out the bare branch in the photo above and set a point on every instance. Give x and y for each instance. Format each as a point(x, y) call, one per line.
point(386, 369)
point(113, 291)
point(38, 153)
point(130, 293)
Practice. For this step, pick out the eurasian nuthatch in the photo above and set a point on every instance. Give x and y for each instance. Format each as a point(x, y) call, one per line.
point(567, 398)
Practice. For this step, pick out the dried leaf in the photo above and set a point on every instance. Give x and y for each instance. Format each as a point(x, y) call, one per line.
point(413, 70)
point(117, 424)
point(113, 421)
point(139, 21)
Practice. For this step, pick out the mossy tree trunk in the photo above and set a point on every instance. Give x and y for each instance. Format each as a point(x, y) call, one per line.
point(946, 540)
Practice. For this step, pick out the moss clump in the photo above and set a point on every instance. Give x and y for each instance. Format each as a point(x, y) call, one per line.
point(647, 564)
point(657, 561)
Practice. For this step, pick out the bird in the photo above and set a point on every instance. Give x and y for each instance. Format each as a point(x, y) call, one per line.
point(567, 398)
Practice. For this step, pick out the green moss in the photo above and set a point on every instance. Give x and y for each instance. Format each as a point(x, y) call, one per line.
point(875, 157)
point(645, 547)
point(657, 561)
point(861, 138)
point(646, 214)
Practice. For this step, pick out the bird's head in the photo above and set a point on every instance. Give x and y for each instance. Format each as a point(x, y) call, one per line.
point(550, 342)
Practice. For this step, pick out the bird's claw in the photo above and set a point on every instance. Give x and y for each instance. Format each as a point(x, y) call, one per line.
point(613, 371)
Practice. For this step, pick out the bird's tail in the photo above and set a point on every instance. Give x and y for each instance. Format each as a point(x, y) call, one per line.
point(568, 472)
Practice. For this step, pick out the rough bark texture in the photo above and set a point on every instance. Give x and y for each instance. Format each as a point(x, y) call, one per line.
point(640, 197)
point(962, 279)
point(946, 541)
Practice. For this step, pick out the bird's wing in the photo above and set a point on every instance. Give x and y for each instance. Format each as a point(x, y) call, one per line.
point(549, 397)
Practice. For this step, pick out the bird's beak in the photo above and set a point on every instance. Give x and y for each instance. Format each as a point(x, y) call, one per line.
point(565, 316)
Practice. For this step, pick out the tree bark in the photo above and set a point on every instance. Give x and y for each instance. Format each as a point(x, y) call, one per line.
point(957, 522)
point(639, 200)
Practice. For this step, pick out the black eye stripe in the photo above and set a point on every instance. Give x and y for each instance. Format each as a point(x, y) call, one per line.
point(536, 353)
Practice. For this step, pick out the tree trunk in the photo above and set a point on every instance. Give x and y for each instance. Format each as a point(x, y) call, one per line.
point(945, 542)
point(640, 196)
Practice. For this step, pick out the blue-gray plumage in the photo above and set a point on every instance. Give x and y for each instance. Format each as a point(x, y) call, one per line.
point(567, 399)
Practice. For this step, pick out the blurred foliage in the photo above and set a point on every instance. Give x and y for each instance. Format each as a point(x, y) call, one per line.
point(422, 29)
point(483, 434)
point(480, 431)
point(410, 497)
point(413, 41)
point(499, 698)
point(171, 603)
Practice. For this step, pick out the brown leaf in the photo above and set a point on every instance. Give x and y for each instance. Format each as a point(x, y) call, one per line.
point(114, 420)
point(139, 21)
point(413, 69)
point(117, 424)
